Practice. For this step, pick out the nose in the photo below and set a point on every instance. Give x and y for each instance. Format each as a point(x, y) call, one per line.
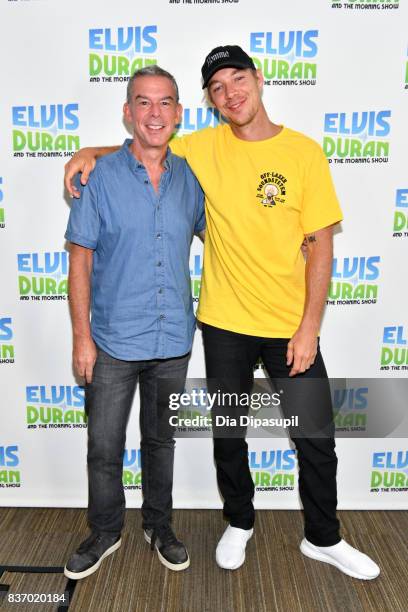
point(229, 90)
point(155, 110)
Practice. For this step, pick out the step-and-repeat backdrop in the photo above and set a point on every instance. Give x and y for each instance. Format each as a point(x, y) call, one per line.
point(337, 71)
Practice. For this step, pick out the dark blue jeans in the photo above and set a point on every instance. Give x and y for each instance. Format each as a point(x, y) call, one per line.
point(108, 400)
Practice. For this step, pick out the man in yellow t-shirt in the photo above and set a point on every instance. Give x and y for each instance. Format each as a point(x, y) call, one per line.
point(268, 188)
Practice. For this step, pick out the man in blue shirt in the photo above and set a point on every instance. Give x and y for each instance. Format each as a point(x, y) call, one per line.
point(130, 235)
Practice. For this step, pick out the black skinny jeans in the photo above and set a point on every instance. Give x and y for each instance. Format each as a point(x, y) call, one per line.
point(230, 358)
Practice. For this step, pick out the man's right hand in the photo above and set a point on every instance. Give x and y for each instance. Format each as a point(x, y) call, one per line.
point(83, 161)
point(84, 357)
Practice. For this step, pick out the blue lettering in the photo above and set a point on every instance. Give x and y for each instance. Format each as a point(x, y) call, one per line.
point(366, 269)
point(125, 43)
point(132, 457)
point(32, 394)
point(330, 123)
point(361, 399)
point(95, 39)
point(277, 459)
point(18, 116)
point(381, 122)
point(375, 123)
point(49, 115)
point(6, 333)
point(401, 199)
point(388, 336)
point(255, 44)
point(151, 45)
point(197, 266)
point(350, 398)
point(108, 44)
point(400, 334)
point(52, 261)
point(301, 43)
point(400, 462)
point(79, 395)
point(309, 35)
point(8, 456)
point(23, 262)
point(378, 460)
point(372, 267)
point(104, 39)
point(72, 120)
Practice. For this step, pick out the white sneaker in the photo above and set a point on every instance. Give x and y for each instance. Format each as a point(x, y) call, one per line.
point(230, 553)
point(343, 556)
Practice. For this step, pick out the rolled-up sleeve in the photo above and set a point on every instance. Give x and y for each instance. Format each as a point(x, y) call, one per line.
point(84, 220)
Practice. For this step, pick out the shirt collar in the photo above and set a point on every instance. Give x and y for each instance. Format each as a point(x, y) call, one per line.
point(135, 164)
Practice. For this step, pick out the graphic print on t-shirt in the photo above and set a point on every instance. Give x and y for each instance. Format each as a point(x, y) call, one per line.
point(271, 189)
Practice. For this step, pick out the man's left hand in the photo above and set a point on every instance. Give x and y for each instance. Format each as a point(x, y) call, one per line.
point(301, 353)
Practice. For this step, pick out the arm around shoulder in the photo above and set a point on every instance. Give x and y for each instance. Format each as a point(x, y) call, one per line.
point(83, 162)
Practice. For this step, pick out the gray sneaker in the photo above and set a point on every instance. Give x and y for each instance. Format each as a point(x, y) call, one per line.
point(90, 554)
point(171, 552)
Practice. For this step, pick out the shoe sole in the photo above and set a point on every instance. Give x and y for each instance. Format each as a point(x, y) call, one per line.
point(176, 567)
point(237, 566)
point(93, 568)
point(319, 556)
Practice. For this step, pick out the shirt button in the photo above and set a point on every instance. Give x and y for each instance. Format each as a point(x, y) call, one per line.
point(159, 263)
point(162, 316)
point(158, 235)
point(160, 290)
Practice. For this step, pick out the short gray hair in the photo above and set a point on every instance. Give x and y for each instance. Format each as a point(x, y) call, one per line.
point(153, 70)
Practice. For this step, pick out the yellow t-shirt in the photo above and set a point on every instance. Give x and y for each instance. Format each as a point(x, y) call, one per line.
point(262, 197)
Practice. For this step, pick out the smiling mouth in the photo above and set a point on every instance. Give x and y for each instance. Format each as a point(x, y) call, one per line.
point(236, 106)
point(155, 128)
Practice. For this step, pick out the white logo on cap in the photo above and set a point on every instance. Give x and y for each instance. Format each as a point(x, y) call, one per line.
point(217, 56)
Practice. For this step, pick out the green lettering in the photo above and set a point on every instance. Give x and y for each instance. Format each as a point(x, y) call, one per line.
point(24, 285)
point(355, 148)
point(32, 414)
point(50, 286)
point(288, 480)
point(127, 477)
point(386, 355)
point(7, 351)
point(73, 143)
point(123, 65)
point(400, 221)
point(309, 71)
point(69, 416)
point(375, 479)
point(95, 64)
point(19, 140)
point(63, 287)
point(329, 146)
point(296, 71)
point(382, 149)
point(14, 476)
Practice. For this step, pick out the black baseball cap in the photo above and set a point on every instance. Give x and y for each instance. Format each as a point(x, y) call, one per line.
point(230, 56)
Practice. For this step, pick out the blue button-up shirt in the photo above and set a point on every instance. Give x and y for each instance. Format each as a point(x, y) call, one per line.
point(141, 305)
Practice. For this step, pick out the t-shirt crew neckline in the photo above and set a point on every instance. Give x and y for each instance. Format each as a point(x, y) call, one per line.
point(264, 142)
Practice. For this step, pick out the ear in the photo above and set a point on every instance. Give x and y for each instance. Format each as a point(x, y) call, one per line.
point(127, 113)
point(179, 113)
point(260, 79)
